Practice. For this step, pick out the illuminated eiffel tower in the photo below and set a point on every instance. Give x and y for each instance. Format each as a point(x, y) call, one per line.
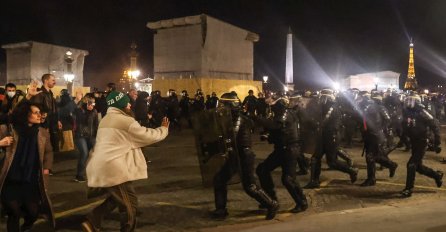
point(411, 82)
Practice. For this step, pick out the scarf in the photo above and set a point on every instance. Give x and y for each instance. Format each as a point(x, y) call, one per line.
point(25, 166)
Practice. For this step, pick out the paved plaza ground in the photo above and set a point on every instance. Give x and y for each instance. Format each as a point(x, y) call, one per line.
point(173, 198)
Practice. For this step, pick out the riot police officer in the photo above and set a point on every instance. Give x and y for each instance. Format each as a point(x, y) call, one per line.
point(284, 134)
point(416, 122)
point(243, 127)
point(328, 119)
point(373, 119)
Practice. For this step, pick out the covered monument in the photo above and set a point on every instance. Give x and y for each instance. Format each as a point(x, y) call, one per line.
point(203, 52)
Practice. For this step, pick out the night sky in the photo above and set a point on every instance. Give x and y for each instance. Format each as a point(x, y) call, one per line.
point(333, 38)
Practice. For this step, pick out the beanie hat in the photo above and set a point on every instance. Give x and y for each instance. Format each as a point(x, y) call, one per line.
point(117, 99)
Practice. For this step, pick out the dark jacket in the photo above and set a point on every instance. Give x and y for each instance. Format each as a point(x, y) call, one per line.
point(416, 123)
point(87, 122)
point(45, 157)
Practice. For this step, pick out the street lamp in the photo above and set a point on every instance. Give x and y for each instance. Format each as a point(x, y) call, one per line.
point(265, 79)
point(69, 76)
point(132, 77)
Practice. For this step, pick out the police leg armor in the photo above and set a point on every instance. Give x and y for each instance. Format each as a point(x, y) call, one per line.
point(336, 164)
point(315, 172)
point(262, 197)
point(266, 180)
point(418, 151)
point(221, 191)
point(296, 193)
point(343, 155)
point(371, 170)
point(383, 160)
point(436, 175)
point(410, 179)
point(303, 164)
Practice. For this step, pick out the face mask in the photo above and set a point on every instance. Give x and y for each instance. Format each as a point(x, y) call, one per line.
point(11, 94)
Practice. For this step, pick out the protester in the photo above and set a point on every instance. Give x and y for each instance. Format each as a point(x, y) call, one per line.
point(117, 160)
point(25, 170)
point(86, 126)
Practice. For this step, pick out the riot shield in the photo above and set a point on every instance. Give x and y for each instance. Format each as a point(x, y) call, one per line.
point(310, 112)
point(215, 143)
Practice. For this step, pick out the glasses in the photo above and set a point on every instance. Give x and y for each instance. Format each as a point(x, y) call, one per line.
point(36, 113)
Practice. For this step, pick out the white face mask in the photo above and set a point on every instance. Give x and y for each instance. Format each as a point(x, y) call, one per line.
point(11, 94)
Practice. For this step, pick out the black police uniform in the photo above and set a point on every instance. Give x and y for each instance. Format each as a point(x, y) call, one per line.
point(415, 124)
point(374, 118)
point(284, 134)
point(328, 144)
point(243, 127)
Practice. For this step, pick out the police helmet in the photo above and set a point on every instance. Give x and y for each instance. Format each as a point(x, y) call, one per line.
point(230, 100)
point(412, 100)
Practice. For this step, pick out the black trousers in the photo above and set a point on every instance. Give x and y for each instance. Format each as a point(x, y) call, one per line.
point(221, 179)
point(329, 148)
point(415, 163)
point(375, 153)
point(20, 200)
point(286, 158)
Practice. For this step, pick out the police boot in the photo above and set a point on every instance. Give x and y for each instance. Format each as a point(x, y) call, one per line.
point(219, 214)
point(371, 169)
point(272, 210)
point(301, 206)
point(265, 201)
point(315, 172)
point(221, 197)
point(406, 193)
point(439, 178)
point(353, 172)
point(392, 169)
point(271, 195)
point(303, 165)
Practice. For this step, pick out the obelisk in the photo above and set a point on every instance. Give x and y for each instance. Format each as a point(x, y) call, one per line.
point(289, 62)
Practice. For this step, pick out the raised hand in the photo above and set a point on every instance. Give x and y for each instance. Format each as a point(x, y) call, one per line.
point(165, 122)
point(32, 89)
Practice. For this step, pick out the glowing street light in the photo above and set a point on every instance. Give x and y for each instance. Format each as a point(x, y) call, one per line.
point(336, 86)
point(69, 77)
point(133, 73)
point(426, 91)
point(265, 79)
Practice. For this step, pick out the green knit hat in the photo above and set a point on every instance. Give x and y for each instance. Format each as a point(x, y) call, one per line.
point(117, 99)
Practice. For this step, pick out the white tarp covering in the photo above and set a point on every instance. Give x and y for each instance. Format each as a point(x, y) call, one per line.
point(368, 81)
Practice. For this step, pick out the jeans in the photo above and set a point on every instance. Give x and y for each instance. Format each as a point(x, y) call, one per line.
point(83, 145)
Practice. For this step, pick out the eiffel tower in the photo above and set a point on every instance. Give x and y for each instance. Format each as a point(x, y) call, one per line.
point(411, 82)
